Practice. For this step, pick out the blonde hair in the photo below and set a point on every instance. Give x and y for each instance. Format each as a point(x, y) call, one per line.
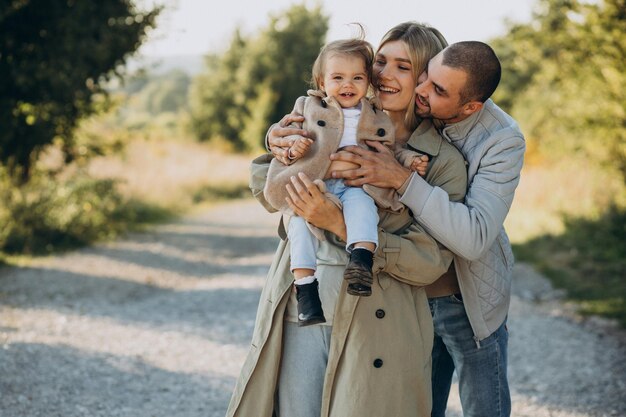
point(422, 42)
point(356, 47)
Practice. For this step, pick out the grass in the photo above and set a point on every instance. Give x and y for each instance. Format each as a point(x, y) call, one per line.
point(558, 225)
point(49, 215)
point(150, 180)
point(213, 193)
point(174, 173)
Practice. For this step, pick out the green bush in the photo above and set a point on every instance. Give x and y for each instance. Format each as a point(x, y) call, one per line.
point(255, 82)
point(588, 260)
point(45, 214)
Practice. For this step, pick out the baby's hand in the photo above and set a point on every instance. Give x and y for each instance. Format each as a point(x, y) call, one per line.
point(420, 164)
point(299, 148)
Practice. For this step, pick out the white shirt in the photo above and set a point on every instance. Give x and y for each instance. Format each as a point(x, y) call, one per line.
point(351, 117)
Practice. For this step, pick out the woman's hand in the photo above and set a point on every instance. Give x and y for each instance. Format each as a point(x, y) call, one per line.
point(379, 168)
point(308, 202)
point(281, 137)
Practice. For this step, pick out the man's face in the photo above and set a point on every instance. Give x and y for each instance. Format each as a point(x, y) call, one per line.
point(437, 94)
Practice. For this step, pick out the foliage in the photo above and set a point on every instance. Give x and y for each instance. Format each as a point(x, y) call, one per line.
point(215, 100)
point(588, 260)
point(55, 57)
point(135, 82)
point(257, 79)
point(46, 214)
point(147, 102)
point(564, 82)
point(94, 136)
point(213, 193)
point(164, 93)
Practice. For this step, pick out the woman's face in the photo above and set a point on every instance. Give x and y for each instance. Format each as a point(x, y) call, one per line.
point(393, 77)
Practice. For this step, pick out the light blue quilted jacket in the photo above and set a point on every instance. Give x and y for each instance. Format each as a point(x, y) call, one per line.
point(493, 147)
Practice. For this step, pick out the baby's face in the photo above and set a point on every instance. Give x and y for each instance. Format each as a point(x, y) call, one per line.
point(345, 79)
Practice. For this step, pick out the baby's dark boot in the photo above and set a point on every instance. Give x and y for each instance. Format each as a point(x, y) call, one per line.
point(358, 273)
point(309, 304)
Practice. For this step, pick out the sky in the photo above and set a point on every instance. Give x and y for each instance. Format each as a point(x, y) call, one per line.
point(197, 27)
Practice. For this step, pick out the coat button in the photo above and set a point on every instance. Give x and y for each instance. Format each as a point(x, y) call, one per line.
point(321, 123)
point(324, 104)
point(378, 363)
point(380, 313)
point(380, 132)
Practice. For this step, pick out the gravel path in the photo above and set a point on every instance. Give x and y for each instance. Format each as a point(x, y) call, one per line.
point(158, 324)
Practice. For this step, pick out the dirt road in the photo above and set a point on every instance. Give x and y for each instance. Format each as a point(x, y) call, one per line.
point(158, 324)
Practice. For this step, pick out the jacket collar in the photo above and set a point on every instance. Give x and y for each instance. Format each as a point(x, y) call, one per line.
point(462, 129)
point(426, 139)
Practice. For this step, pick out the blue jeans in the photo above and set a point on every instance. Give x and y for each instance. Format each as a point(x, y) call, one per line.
point(360, 215)
point(304, 245)
point(359, 212)
point(481, 367)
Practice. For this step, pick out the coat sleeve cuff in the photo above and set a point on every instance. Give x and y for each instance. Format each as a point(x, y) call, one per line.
point(405, 184)
point(258, 177)
point(416, 194)
point(388, 251)
point(267, 138)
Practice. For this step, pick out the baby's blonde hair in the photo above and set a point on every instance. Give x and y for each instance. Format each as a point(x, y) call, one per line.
point(356, 47)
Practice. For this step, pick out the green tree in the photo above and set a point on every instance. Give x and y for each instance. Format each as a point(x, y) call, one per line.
point(285, 54)
point(55, 57)
point(216, 98)
point(259, 112)
point(165, 93)
point(563, 79)
point(257, 80)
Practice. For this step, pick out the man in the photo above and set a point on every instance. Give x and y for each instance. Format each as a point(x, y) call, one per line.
point(470, 303)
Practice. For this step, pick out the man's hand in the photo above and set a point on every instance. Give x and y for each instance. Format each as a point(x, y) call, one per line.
point(281, 137)
point(308, 202)
point(379, 168)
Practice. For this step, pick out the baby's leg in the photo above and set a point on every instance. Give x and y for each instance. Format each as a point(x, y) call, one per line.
point(361, 217)
point(303, 246)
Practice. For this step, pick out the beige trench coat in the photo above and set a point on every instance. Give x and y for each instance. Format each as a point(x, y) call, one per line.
point(379, 358)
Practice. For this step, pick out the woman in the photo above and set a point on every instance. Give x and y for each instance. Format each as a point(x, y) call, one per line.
point(373, 356)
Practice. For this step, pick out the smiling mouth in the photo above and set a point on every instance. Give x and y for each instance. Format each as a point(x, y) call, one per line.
point(420, 100)
point(386, 89)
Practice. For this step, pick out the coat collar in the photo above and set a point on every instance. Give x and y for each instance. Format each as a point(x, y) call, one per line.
point(426, 139)
point(461, 130)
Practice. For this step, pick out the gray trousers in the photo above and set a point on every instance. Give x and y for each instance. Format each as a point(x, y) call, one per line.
point(302, 370)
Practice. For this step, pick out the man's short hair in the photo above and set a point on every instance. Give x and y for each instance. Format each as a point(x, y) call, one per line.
point(480, 63)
